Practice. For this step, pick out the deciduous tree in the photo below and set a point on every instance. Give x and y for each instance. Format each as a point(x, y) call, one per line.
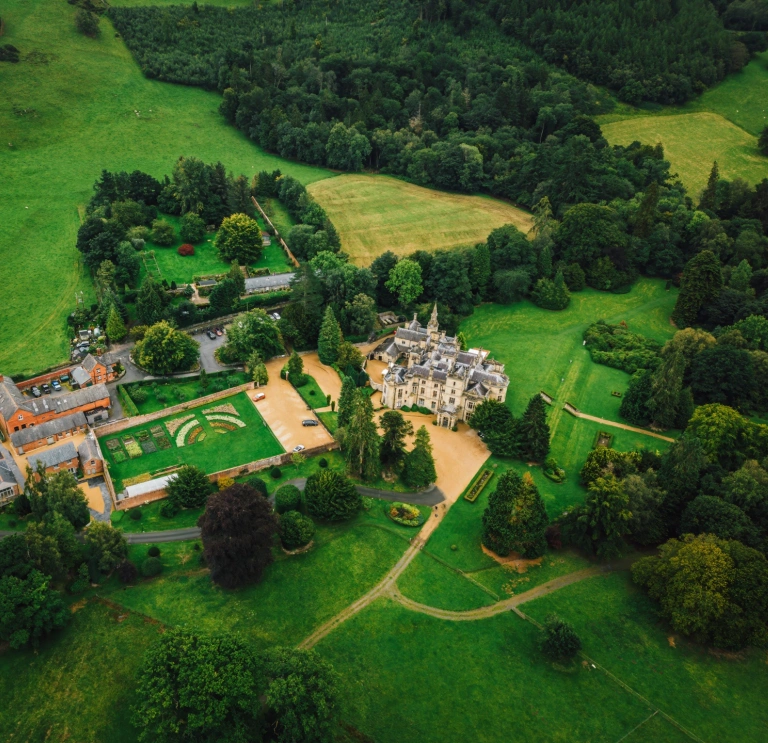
point(29, 609)
point(239, 239)
point(106, 545)
point(165, 350)
point(56, 493)
point(405, 281)
point(330, 338)
point(701, 282)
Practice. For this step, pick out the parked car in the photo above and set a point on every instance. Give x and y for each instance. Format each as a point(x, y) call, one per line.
point(259, 396)
point(298, 448)
point(36, 391)
point(64, 378)
point(309, 422)
point(46, 389)
point(274, 315)
point(211, 334)
point(56, 385)
point(219, 331)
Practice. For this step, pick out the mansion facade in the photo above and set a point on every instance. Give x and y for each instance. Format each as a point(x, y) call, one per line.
point(428, 369)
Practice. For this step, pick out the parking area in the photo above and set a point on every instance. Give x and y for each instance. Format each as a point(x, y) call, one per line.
point(284, 410)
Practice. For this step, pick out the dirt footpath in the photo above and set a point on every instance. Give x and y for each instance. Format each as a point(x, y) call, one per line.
point(284, 410)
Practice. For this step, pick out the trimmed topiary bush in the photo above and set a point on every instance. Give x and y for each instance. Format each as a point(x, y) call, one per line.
point(323, 463)
point(127, 572)
point(151, 567)
point(275, 473)
point(258, 485)
point(154, 551)
point(295, 530)
point(287, 498)
point(135, 515)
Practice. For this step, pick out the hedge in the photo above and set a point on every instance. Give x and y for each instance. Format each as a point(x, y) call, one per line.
point(128, 405)
point(478, 485)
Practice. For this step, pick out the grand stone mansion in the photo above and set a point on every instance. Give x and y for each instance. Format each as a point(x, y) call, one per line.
point(427, 368)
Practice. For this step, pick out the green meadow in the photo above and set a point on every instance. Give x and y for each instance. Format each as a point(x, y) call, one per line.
point(722, 124)
point(71, 107)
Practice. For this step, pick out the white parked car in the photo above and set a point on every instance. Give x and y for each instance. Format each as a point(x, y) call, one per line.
point(298, 448)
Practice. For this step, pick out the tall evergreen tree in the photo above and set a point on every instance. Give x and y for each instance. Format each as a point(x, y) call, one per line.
point(149, 302)
point(534, 429)
point(644, 219)
point(701, 283)
point(496, 517)
point(666, 389)
point(480, 270)
point(346, 400)
point(360, 439)
point(419, 470)
point(396, 428)
point(296, 370)
point(330, 338)
point(115, 326)
point(528, 520)
point(709, 194)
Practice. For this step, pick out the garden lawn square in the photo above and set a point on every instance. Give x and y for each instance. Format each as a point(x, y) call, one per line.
point(210, 452)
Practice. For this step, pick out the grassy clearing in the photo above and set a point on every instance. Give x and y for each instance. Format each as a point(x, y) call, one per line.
point(375, 213)
point(69, 110)
point(692, 142)
point(722, 124)
point(543, 350)
point(80, 684)
point(715, 696)
point(151, 520)
point(312, 394)
point(483, 681)
point(297, 594)
point(215, 452)
point(180, 390)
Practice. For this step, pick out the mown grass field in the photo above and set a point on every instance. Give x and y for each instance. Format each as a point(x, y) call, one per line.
point(216, 452)
point(542, 350)
point(70, 108)
point(376, 213)
point(722, 124)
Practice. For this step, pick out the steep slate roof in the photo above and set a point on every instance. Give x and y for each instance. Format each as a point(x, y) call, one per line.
point(89, 363)
point(51, 428)
point(11, 398)
point(267, 282)
point(52, 457)
point(10, 474)
point(88, 449)
point(61, 403)
point(80, 375)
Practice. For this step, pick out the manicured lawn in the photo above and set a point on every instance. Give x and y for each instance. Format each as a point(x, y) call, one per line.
point(715, 696)
point(330, 420)
point(279, 217)
point(722, 124)
point(297, 594)
point(180, 390)
point(312, 394)
point(151, 520)
point(409, 677)
point(213, 453)
point(205, 261)
point(69, 111)
point(376, 213)
point(543, 350)
point(80, 684)
point(9, 521)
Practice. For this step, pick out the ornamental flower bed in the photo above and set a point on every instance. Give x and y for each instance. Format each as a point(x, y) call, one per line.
point(132, 447)
point(478, 485)
point(175, 424)
point(405, 514)
point(196, 434)
point(226, 408)
point(221, 427)
point(181, 436)
point(223, 417)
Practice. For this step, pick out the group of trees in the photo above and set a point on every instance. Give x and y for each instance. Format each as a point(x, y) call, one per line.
point(164, 350)
point(329, 87)
point(729, 366)
point(526, 437)
point(195, 687)
point(50, 554)
point(705, 502)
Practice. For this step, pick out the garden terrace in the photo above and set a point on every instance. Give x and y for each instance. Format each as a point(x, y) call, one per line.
point(207, 436)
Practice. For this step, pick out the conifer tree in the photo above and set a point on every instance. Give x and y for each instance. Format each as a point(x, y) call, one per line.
point(296, 370)
point(149, 302)
point(236, 274)
point(665, 390)
point(709, 194)
point(330, 338)
point(480, 270)
point(419, 470)
point(645, 214)
point(534, 429)
point(701, 282)
point(528, 520)
point(395, 428)
point(115, 326)
point(360, 439)
point(497, 514)
point(257, 369)
point(346, 398)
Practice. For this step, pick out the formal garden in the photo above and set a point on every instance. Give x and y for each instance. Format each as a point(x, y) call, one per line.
point(213, 437)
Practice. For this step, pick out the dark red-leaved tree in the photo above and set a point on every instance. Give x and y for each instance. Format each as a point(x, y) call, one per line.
point(238, 531)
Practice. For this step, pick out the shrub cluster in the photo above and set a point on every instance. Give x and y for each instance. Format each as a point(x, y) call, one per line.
point(186, 249)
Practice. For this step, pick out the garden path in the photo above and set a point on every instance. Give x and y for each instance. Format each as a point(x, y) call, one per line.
point(606, 422)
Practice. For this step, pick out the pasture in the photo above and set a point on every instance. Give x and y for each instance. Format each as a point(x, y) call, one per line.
point(71, 107)
point(210, 437)
point(721, 124)
point(376, 213)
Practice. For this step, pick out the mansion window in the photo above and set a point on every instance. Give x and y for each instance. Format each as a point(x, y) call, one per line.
point(470, 405)
point(421, 401)
point(433, 405)
point(434, 393)
point(451, 400)
point(415, 388)
point(399, 393)
point(499, 398)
